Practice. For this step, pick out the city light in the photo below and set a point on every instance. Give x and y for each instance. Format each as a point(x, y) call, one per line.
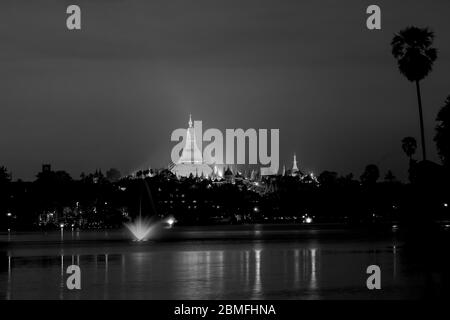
point(307, 219)
point(9, 214)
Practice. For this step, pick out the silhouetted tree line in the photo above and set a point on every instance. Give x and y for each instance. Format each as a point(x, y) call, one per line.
point(98, 201)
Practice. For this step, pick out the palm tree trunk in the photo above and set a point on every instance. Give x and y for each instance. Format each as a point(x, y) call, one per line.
point(422, 129)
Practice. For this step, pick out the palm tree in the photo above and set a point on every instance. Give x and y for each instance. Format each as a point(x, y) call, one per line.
point(415, 56)
point(442, 137)
point(409, 146)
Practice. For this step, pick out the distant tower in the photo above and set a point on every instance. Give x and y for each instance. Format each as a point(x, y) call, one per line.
point(191, 160)
point(191, 153)
point(228, 175)
point(295, 170)
point(253, 175)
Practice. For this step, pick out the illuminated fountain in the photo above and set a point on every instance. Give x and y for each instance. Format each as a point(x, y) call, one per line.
point(141, 228)
point(144, 228)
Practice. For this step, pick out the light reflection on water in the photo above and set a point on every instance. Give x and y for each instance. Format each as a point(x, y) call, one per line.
point(248, 269)
point(254, 274)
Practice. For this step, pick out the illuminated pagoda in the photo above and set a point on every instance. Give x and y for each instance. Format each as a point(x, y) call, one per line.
point(228, 175)
point(294, 172)
point(191, 160)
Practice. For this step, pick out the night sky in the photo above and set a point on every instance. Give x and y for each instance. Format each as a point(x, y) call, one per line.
point(111, 94)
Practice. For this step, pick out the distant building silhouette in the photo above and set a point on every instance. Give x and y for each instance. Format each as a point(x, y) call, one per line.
point(46, 167)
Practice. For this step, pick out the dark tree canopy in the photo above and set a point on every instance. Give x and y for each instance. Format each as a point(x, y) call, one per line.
point(370, 175)
point(328, 178)
point(4, 175)
point(390, 177)
point(113, 175)
point(409, 146)
point(442, 137)
point(412, 47)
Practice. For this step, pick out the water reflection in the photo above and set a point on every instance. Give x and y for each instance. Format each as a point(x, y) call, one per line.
point(61, 283)
point(313, 276)
point(296, 267)
point(394, 258)
point(220, 268)
point(8, 289)
point(105, 287)
point(123, 269)
point(257, 287)
point(183, 274)
point(248, 270)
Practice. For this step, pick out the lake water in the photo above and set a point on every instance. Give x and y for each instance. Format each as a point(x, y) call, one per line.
point(219, 262)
